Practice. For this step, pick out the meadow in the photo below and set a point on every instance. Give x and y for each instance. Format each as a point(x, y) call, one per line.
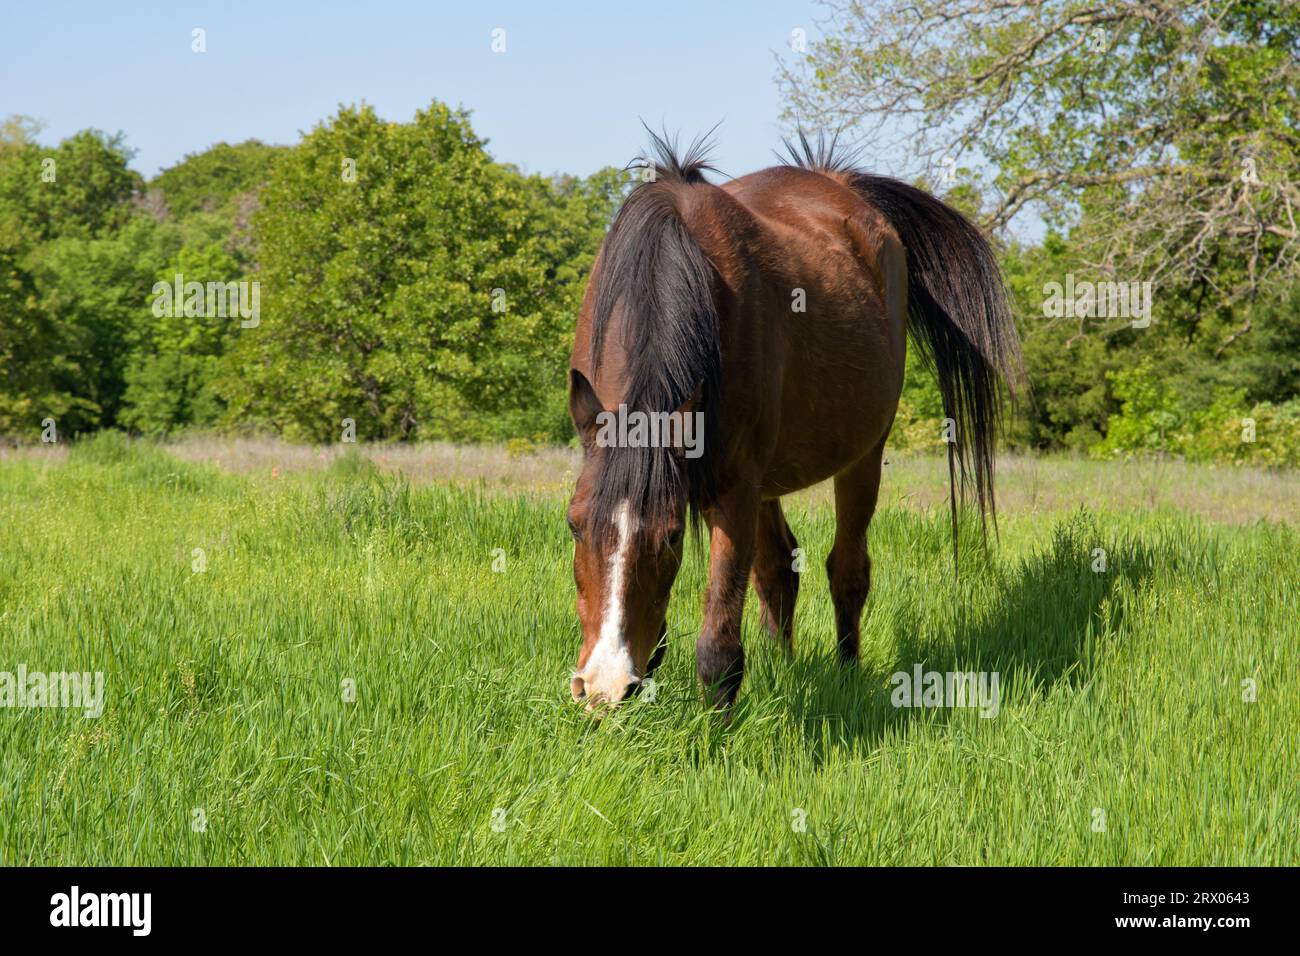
point(321, 657)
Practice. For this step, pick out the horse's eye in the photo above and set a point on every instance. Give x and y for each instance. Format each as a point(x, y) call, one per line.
point(573, 530)
point(674, 538)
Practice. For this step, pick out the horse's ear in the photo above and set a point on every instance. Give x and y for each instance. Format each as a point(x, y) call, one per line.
point(584, 406)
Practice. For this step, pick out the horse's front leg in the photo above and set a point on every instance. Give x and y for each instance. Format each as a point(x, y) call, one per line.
point(719, 655)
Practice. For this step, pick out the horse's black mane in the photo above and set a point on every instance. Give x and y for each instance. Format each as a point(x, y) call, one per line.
point(655, 279)
point(825, 155)
point(689, 167)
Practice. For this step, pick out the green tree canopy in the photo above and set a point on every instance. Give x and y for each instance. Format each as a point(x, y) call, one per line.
point(207, 181)
point(80, 188)
point(76, 262)
point(413, 285)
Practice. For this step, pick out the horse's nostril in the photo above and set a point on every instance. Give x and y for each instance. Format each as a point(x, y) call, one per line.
point(599, 693)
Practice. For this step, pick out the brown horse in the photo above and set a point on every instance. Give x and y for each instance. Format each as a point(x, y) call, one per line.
point(740, 342)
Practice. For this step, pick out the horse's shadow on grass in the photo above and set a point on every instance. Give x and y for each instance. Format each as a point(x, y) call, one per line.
point(1047, 622)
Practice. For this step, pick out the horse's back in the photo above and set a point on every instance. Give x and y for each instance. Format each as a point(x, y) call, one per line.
point(819, 283)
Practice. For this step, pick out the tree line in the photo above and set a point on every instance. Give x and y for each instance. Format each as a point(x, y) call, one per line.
point(394, 280)
point(403, 281)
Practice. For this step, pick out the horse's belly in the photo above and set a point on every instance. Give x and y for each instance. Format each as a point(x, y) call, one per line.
point(837, 404)
point(840, 359)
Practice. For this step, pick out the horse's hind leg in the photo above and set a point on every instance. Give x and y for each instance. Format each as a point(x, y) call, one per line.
point(776, 582)
point(848, 566)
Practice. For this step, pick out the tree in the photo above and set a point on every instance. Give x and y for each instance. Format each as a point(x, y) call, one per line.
point(175, 360)
point(413, 285)
point(1165, 129)
point(79, 189)
point(216, 177)
point(75, 277)
point(97, 292)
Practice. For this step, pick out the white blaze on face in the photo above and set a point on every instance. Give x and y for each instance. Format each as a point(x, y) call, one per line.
point(609, 669)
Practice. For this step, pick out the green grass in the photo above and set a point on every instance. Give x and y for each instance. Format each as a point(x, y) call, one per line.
point(1120, 690)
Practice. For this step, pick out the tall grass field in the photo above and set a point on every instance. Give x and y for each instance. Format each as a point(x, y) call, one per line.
point(344, 664)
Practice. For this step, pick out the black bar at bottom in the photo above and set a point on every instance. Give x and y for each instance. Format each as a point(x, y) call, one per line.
point(582, 906)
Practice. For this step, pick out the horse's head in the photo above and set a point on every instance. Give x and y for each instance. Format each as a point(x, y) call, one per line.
point(627, 517)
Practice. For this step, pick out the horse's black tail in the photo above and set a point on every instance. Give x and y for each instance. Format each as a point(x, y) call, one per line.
point(960, 320)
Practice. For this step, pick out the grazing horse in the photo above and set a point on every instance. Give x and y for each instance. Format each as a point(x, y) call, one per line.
point(767, 318)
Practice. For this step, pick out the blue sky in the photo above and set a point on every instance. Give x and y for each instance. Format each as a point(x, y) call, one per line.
point(566, 96)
